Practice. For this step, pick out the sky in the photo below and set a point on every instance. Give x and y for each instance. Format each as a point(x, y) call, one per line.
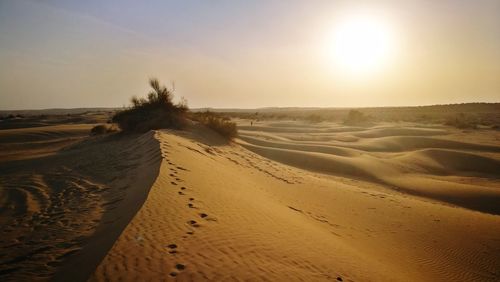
point(246, 54)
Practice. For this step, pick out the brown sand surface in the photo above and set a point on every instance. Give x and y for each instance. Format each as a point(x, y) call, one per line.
point(291, 201)
point(65, 198)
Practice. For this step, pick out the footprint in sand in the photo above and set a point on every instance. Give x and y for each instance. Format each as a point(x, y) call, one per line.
point(193, 223)
point(191, 206)
point(173, 183)
point(203, 215)
point(172, 248)
point(183, 188)
point(181, 193)
point(178, 267)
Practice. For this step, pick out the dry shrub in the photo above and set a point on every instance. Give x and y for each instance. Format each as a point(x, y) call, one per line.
point(462, 121)
point(220, 124)
point(154, 112)
point(355, 117)
point(102, 129)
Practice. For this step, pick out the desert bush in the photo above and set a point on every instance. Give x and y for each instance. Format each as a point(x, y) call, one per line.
point(154, 112)
point(220, 124)
point(355, 117)
point(102, 129)
point(462, 121)
point(314, 118)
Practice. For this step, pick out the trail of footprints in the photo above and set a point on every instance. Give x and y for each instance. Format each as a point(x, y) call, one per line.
point(191, 224)
point(272, 169)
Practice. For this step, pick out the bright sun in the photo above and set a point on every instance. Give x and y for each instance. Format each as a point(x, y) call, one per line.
point(361, 44)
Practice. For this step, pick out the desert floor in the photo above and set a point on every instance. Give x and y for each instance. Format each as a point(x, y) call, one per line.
point(285, 201)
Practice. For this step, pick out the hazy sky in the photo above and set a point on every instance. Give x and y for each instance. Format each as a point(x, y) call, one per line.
point(243, 54)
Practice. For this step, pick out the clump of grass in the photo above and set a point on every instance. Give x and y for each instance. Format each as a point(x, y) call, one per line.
point(220, 124)
point(462, 121)
point(102, 129)
point(355, 117)
point(314, 118)
point(154, 112)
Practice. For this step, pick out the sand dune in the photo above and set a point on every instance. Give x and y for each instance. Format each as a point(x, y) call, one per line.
point(62, 210)
point(187, 205)
point(400, 161)
point(25, 143)
point(220, 212)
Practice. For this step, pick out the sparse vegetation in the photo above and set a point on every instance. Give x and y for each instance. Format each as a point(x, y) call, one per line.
point(487, 114)
point(158, 111)
point(220, 124)
point(314, 118)
point(102, 129)
point(154, 112)
point(355, 117)
point(462, 121)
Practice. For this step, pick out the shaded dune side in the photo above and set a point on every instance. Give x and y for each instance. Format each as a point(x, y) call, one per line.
point(63, 212)
point(450, 162)
point(135, 174)
point(314, 161)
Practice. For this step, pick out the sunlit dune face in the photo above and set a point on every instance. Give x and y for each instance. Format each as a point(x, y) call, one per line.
point(361, 44)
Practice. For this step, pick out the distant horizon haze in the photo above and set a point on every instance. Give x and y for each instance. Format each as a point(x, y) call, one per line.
point(248, 55)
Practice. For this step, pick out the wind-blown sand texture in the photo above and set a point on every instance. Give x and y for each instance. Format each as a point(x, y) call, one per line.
point(62, 210)
point(291, 201)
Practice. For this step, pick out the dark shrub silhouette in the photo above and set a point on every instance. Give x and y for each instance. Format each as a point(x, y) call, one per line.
point(462, 121)
point(314, 118)
point(102, 129)
point(157, 111)
point(355, 117)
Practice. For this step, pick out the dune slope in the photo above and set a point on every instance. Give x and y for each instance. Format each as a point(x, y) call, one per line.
point(61, 210)
point(452, 166)
point(220, 212)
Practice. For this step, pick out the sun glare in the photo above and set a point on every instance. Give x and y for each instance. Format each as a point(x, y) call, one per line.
point(361, 44)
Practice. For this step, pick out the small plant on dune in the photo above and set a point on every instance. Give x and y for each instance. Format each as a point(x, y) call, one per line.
point(314, 118)
point(462, 121)
point(102, 129)
point(220, 124)
point(154, 112)
point(355, 117)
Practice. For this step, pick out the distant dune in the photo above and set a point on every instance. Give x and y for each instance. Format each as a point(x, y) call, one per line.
point(429, 162)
